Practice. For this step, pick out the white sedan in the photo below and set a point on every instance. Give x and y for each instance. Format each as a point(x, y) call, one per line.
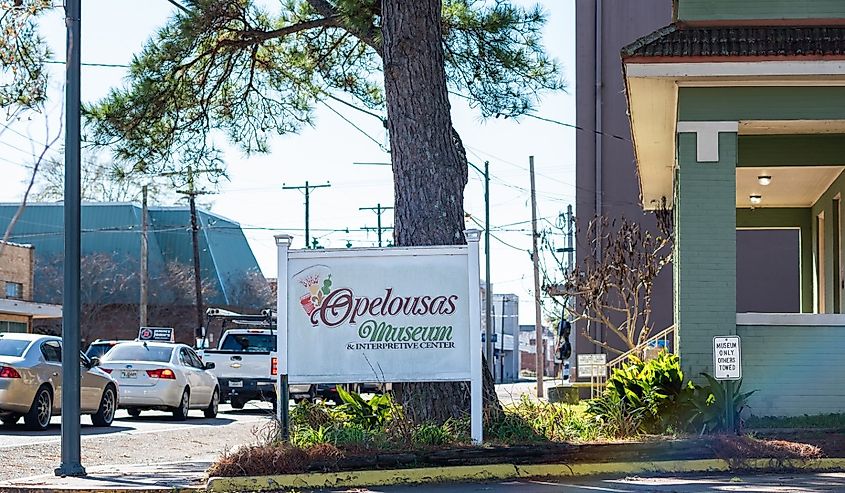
point(163, 376)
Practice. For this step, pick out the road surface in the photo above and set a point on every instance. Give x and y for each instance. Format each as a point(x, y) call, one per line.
point(703, 483)
point(154, 437)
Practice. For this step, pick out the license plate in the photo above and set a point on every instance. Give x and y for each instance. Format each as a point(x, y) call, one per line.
point(128, 373)
point(236, 384)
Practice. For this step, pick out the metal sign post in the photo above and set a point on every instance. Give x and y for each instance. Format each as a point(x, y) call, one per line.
point(71, 447)
point(727, 367)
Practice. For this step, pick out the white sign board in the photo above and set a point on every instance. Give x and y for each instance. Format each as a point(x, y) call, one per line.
point(592, 365)
point(381, 315)
point(727, 358)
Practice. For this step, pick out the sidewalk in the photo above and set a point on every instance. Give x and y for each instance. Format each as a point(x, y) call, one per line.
point(165, 477)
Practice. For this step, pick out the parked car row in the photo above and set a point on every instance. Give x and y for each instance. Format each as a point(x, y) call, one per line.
point(135, 376)
point(147, 375)
point(31, 383)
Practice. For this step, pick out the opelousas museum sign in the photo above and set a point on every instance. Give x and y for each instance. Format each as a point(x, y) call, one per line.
point(381, 315)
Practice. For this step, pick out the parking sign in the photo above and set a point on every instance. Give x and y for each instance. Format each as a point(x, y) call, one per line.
point(727, 358)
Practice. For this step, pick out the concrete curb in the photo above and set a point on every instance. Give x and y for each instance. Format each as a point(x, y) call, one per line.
point(97, 489)
point(506, 471)
point(492, 472)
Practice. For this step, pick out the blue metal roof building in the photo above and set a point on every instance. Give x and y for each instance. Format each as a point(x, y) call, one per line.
point(111, 234)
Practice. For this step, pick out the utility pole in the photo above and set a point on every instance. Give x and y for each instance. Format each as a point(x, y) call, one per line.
point(192, 193)
point(380, 228)
point(538, 321)
point(502, 345)
point(307, 187)
point(378, 209)
point(570, 239)
point(71, 452)
point(144, 257)
point(570, 263)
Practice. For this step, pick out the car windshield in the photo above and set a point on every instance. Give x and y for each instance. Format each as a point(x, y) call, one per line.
point(13, 347)
point(138, 352)
point(249, 343)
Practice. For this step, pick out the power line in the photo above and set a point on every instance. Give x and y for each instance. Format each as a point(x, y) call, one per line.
point(107, 65)
point(356, 127)
point(556, 122)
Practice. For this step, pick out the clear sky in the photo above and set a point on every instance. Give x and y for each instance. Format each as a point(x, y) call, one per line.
point(115, 30)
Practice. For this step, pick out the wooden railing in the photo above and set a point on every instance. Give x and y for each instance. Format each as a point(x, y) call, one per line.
point(663, 340)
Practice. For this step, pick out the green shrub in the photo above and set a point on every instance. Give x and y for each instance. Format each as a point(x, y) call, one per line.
point(646, 396)
point(370, 414)
point(712, 403)
point(617, 417)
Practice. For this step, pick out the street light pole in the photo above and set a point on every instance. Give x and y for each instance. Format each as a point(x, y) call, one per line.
point(488, 303)
point(71, 453)
point(488, 298)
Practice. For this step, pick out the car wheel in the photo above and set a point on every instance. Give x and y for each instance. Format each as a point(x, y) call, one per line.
point(134, 412)
point(211, 410)
point(237, 403)
point(11, 419)
point(180, 413)
point(105, 414)
point(39, 415)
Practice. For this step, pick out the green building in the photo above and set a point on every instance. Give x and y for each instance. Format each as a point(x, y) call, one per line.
point(737, 113)
point(111, 260)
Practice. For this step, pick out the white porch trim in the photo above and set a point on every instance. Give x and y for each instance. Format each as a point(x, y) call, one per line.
point(30, 309)
point(795, 68)
point(787, 319)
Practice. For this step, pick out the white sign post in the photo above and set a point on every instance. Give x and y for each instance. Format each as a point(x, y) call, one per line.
point(595, 367)
point(727, 367)
point(400, 314)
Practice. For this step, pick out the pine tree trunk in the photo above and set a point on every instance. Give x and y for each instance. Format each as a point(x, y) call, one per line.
point(429, 167)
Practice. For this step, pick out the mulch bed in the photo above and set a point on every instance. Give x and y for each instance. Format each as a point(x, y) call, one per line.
point(257, 461)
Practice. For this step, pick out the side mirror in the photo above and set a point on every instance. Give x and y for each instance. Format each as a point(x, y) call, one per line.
point(95, 361)
point(209, 365)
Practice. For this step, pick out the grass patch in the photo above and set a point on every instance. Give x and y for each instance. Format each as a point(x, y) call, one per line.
point(530, 421)
point(833, 420)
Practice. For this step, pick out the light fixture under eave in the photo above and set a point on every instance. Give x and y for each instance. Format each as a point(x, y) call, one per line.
point(764, 179)
point(755, 199)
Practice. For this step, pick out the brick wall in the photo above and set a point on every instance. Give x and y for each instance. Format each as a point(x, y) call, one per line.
point(783, 364)
point(17, 265)
point(122, 322)
point(705, 251)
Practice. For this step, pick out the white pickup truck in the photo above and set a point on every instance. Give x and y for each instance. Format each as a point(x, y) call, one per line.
point(245, 361)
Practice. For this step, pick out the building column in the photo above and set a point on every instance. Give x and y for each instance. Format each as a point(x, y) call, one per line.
point(705, 240)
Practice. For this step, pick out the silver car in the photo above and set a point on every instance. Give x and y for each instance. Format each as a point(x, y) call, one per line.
point(31, 382)
point(163, 376)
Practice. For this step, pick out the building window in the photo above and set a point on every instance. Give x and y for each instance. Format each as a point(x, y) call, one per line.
point(20, 327)
point(14, 290)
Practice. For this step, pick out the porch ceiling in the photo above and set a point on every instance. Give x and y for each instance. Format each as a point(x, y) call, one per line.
point(654, 110)
point(799, 186)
